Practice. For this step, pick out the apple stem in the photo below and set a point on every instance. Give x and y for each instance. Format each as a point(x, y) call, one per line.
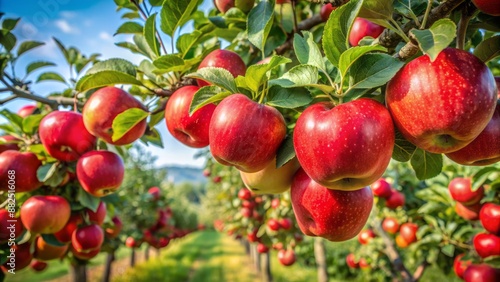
point(399, 30)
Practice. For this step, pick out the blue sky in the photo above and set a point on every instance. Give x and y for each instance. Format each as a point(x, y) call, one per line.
point(89, 26)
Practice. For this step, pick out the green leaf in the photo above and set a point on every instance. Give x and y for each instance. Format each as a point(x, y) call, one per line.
point(175, 14)
point(168, 63)
point(105, 78)
point(377, 11)
point(480, 177)
point(353, 54)
point(336, 33)
point(126, 120)
point(131, 15)
point(114, 64)
point(46, 171)
point(143, 46)
point(150, 34)
point(186, 41)
point(255, 74)
point(13, 118)
point(153, 137)
point(50, 76)
point(372, 70)
point(307, 51)
point(10, 24)
point(8, 40)
point(61, 48)
point(448, 250)
point(289, 98)
point(403, 149)
point(28, 45)
point(156, 118)
point(425, 164)
point(435, 39)
point(31, 123)
point(216, 76)
point(36, 65)
point(129, 28)
point(205, 96)
point(260, 21)
point(87, 200)
point(132, 47)
point(488, 49)
point(286, 151)
point(298, 76)
point(52, 240)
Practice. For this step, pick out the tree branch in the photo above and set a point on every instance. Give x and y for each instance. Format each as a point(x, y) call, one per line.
point(420, 271)
point(303, 25)
point(10, 98)
point(335, 3)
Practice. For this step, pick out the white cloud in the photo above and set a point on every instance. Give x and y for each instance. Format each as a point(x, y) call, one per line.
point(105, 36)
point(67, 14)
point(87, 23)
point(65, 27)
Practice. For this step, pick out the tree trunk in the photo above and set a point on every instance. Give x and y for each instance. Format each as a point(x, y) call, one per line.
point(78, 272)
point(255, 257)
point(107, 268)
point(132, 258)
point(267, 276)
point(320, 256)
point(158, 252)
point(247, 246)
point(146, 253)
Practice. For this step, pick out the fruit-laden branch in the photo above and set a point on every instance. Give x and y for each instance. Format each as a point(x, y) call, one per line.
point(168, 92)
point(335, 3)
point(303, 25)
point(390, 39)
point(393, 254)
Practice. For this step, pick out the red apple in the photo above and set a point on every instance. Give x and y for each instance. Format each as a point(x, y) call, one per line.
point(325, 11)
point(358, 130)
point(363, 264)
point(38, 266)
point(225, 59)
point(64, 235)
point(285, 223)
point(381, 188)
point(395, 200)
point(45, 214)
point(64, 136)
point(252, 236)
point(99, 215)
point(481, 273)
point(190, 130)
point(248, 204)
point(331, 214)
point(365, 236)
point(85, 255)
point(485, 149)
point(461, 191)
point(271, 180)
point(21, 258)
point(8, 142)
point(246, 212)
point(114, 231)
point(87, 238)
point(262, 249)
point(217, 179)
point(206, 173)
point(45, 251)
point(286, 257)
point(18, 171)
point(459, 265)
point(487, 245)
point(280, 2)
point(100, 172)
point(278, 246)
point(490, 7)
point(273, 224)
point(442, 106)
point(245, 134)
point(401, 242)
point(275, 203)
point(244, 194)
point(390, 225)
point(468, 212)
point(154, 192)
point(101, 109)
point(351, 261)
point(27, 110)
point(361, 28)
point(409, 232)
point(225, 5)
point(490, 218)
point(132, 243)
point(7, 228)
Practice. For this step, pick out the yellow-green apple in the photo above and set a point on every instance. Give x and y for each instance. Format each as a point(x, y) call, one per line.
point(20, 258)
point(490, 218)
point(26, 110)
point(395, 200)
point(64, 135)
point(244, 194)
point(331, 214)
point(409, 232)
point(245, 134)
point(271, 180)
point(459, 265)
point(481, 273)
point(381, 188)
point(88, 238)
point(329, 139)
point(486, 245)
point(45, 214)
point(115, 229)
point(18, 171)
point(326, 10)
point(351, 261)
point(190, 130)
point(361, 28)
point(485, 149)
point(262, 249)
point(225, 59)
point(442, 106)
point(99, 215)
point(8, 142)
point(64, 235)
point(8, 228)
point(461, 191)
point(365, 236)
point(45, 251)
point(286, 257)
point(225, 5)
point(100, 172)
point(390, 225)
point(490, 7)
point(101, 109)
point(38, 265)
point(468, 212)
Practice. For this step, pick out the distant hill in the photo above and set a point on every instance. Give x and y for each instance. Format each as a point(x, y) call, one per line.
point(179, 174)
